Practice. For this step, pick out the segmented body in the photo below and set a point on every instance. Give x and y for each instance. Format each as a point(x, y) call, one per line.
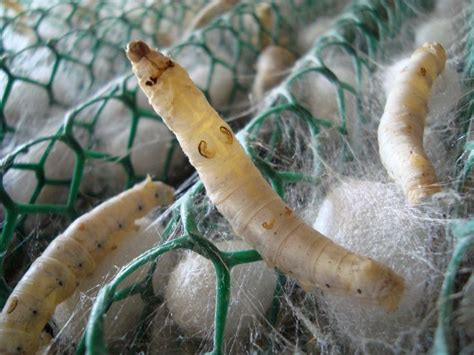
point(54, 276)
point(245, 199)
point(401, 128)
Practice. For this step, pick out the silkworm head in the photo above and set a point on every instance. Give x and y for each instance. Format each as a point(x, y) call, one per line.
point(156, 193)
point(147, 64)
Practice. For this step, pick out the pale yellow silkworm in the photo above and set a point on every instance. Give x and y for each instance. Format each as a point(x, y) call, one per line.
point(209, 12)
point(246, 200)
point(266, 18)
point(272, 66)
point(73, 255)
point(400, 133)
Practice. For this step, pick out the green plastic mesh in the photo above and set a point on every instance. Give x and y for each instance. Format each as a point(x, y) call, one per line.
point(49, 198)
point(360, 35)
point(447, 339)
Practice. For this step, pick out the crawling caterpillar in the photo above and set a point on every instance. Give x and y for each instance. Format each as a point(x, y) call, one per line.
point(244, 198)
point(209, 12)
point(401, 127)
point(54, 276)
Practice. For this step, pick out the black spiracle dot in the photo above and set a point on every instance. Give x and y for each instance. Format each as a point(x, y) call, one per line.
point(120, 225)
point(60, 283)
point(19, 348)
point(34, 311)
point(49, 329)
point(140, 207)
point(327, 285)
point(99, 245)
point(157, 195)
point(359, 291)
point(80, 264)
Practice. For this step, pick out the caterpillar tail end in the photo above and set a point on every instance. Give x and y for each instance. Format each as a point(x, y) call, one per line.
point(393, 290)
point(418, 195)
point(391, 301)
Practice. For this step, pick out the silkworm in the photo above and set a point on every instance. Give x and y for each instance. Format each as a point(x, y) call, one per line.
point(55, 275)
point(308, 34)
point(122, 317)
point(246, 200)
point(272, 66)
point(400, 132)
point(209, 12)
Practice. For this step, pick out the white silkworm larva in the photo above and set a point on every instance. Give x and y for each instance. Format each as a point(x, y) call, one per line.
point(55, 275)
point(245, 199)
point(308, 34)
point(209, 12)
point(272, 66)
point(122, 317)
point(400, 132)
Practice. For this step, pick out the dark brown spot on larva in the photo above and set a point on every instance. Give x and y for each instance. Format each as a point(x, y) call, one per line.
point(19, 348)
point(423, 71)
point(60, 283)
point(80, 265)
point(12, 306)
point(228, 136)
point(120, 225)
point(327, 285)
point(140, 207)
point(99, 245)
point(359, 291)
point(34, 311)
point(204, 151)
point(136, 50)
point(157, 195)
